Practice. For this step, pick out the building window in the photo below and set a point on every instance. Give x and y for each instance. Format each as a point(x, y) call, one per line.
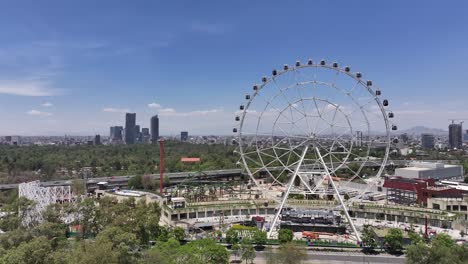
point(463, 208)
point(449, 208)
point(436, 206)
point(455, 208)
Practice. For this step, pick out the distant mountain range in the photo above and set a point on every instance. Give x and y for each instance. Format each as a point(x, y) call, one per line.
point(418, 130)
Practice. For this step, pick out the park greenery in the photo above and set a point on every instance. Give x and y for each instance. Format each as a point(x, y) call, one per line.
point(394, 240)
point(440, 250)
point(369, 243)
point(106, 231)
point(18, 164)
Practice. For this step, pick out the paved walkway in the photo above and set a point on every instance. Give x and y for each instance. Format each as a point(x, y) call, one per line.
point(341, 258)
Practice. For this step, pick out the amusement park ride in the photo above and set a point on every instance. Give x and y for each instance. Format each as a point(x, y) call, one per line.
point(312, 120)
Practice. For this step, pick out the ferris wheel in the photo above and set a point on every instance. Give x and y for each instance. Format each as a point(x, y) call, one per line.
point(314, 128)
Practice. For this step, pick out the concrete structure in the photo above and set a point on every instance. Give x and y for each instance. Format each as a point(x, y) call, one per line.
point(130, 123)
point(455, 136)
point(116, 134)
point(427, 141)
point(97, 140)
point(184, 136)
point(358, 139)
point(154, 129)
point(455, 205)
point(425, 170)
point(145, 135)
point(411, 191)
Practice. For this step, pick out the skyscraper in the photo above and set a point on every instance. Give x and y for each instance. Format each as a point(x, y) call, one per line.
point(154, 129)
point(130, 123)
point(138, 137)
point(183, 136)
point(358, 140)
point(427, 141)
point(116, 133)
point(455, 136)
point(145, 135)
point(97, 140)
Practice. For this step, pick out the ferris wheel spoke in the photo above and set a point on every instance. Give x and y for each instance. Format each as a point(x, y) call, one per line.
point(298, 90)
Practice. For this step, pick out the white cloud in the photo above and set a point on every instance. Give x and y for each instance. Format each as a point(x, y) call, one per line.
point(154, 105)
point(115, 110)
point(38, 113)
point(47, 104)
point(27, 88)
point(173, 112)
point(167, 111)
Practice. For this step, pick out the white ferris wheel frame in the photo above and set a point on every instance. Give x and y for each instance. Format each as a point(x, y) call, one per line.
point(327, 172)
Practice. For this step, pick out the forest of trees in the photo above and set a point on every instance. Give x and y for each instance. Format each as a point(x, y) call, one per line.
point(110, 232)
point(18, 164)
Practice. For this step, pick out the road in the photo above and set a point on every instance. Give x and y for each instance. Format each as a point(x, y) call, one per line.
point(341, 258)
point(180, 176)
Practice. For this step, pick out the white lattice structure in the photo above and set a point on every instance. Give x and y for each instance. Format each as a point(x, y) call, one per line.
point(42, 197)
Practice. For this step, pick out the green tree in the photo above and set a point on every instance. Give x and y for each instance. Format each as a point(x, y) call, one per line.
point(15, 211)
point(123, 243)
point(235, 250)
point(259, 237)
point(418, 253)
point(135, 182)
point(91, 252)
point(289, 253)
point(54, 232)
point(179, 233)
point(207, 251)
point(368, 239)
point(163, 253)
point(443, 240)
point(248, 252)
point(285, 235)
point(394, 240)
point(232, 237)
point(415, 237)
point(442, 250)
point(34, 252)
point(78, 187)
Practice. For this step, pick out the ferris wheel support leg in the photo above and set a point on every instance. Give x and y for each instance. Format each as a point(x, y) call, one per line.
point(286, 194)
point(345, 209)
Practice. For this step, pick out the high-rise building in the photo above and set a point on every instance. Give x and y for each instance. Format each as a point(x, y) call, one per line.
point(358, 140)
point(465, 136)
point(183, 136)
point(116, 133)
point(154, 129)
point(97, 140)
point(145, 135)
point(138, 136)
point(427, 141)
point(455, 136)
point(130, 123)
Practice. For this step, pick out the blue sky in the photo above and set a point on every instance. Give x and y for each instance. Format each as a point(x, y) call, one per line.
point(74, 66)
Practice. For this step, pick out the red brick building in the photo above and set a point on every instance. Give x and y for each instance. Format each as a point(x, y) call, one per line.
point(416, 191)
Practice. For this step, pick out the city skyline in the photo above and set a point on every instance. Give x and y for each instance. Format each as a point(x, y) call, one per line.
point(71, 70)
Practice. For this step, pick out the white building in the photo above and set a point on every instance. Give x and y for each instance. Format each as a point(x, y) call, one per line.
point(424, 170)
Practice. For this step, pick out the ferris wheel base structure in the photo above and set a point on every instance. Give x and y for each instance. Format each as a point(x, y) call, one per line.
point(313, 118)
